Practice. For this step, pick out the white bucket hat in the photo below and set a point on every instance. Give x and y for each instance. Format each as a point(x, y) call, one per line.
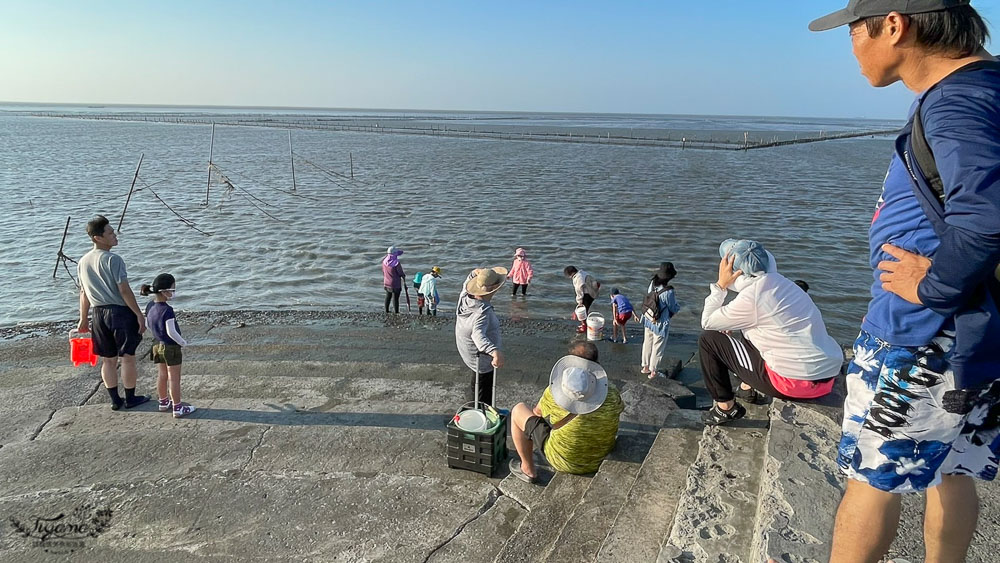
point(578, 385)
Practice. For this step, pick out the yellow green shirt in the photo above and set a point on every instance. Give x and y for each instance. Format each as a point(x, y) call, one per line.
point(580, 445)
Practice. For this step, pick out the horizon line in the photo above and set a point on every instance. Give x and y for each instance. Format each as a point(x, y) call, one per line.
point(95, 105)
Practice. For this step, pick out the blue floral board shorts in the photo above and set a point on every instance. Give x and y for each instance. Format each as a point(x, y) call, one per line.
point(901, 432)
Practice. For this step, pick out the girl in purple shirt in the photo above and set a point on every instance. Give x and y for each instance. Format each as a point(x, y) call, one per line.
point(166, 352)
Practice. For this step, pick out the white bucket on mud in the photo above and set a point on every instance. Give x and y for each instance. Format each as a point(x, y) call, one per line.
point(595, 326)
point(579, 313)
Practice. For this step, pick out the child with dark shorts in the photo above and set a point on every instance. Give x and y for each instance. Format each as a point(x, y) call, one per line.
point(166, 352)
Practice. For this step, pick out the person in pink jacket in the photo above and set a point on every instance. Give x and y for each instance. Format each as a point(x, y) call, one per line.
point(520, 273)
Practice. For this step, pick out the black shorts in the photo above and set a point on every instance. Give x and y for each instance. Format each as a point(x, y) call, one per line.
point(538, 429)
point(115, 331)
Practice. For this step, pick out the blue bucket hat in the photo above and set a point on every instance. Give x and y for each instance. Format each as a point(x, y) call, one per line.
point(749, 256)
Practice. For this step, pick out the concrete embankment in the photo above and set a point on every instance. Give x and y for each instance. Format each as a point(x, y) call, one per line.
point(320, 437)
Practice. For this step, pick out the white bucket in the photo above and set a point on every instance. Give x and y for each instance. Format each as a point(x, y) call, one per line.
point(471, 420)
point(595, 326)
point(580, 313)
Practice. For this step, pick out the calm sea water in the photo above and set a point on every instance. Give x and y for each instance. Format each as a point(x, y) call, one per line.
point(615, 211)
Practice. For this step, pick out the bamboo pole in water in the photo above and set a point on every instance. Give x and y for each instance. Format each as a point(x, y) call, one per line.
point(352, 165)
point(291, 158)
point(211, 150)
point(130, 190)
point(59, 255)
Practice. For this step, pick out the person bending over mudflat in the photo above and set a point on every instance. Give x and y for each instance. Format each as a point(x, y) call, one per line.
point(923, 392)
point(784, 350)
point(118, 322)
point(575, 423)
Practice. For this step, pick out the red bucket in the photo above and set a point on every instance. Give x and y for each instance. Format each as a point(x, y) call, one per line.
point(81, 349)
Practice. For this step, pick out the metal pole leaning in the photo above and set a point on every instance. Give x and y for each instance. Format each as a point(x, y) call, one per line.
point(130, 190)
point(59, 255)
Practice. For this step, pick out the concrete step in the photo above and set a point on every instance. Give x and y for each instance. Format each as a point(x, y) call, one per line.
point(547, 514)
point(333, 517)
point(582, 535)
point(91, 444)
point(484, 536)
point(800, 487)
point(647, 513)
point(716, 514)
point(328, 393)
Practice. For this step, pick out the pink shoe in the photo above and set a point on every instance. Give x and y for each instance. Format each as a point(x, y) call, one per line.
point(164, 405)
point(644, 370)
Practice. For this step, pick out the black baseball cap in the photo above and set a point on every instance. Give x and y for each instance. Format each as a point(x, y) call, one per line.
point(860, 9)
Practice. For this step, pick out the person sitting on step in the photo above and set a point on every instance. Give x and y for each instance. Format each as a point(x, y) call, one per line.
point(575, 423)
point(784, 350)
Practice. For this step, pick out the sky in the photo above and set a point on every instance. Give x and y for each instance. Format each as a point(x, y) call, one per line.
point(716, 57)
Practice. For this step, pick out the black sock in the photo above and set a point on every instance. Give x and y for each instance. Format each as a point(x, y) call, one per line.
point(116, 400)
point(131, 400)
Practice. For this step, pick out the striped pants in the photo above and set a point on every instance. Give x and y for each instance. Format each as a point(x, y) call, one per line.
point(721, 353)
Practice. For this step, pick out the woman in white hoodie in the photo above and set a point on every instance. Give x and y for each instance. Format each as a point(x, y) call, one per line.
point(784, 350)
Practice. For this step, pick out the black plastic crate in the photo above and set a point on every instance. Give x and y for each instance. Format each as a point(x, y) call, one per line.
point(482, 452)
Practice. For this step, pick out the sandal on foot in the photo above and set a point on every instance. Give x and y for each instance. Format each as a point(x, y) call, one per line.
point(716, 416)
point(750, 396)
point(515, 469)
point(644, 370)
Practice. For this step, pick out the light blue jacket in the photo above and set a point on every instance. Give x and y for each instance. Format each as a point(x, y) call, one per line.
point(668, 308)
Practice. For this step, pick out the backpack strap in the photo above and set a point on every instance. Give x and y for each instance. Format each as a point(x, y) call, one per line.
point(922, 149)
point(924, 157)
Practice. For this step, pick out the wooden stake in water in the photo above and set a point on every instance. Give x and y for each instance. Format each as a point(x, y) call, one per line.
point(352, 165)
point(211, 150)
point(130, 190)
point(59, 255)
point(291, 158)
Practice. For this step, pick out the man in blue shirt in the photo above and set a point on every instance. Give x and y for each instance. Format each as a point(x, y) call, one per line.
point(923, 405)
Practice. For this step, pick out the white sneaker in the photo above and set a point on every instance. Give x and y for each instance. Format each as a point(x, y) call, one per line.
point(183, 409)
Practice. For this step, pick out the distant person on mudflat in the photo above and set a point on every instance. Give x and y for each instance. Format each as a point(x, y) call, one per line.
point(575, 423)
point(621, 312)
point(784, 350)
point(393, 277)
point(117, 323)
point(477, 328)
point(923, 391)
point(428, 287)
point(520, 273)
point(166, 351)
point(658, 307)
point(585, 288)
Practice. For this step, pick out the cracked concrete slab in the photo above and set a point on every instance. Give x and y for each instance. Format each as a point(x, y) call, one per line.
point(715, 516)
point(334, 517)
point(645, 517)
point(801, 486)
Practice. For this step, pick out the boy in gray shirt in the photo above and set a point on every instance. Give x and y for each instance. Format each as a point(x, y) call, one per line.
point(118, 322)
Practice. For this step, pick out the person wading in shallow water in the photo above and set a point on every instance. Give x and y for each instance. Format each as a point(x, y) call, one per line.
point(393, 277)
point(586, 288)
point(923, 397)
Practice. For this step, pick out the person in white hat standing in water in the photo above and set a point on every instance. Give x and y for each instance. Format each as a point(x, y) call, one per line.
point(477, 328)
point(575, 423)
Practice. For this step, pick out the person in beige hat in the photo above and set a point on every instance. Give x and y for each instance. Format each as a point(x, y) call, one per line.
point(477, 328)
point(575, 423)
